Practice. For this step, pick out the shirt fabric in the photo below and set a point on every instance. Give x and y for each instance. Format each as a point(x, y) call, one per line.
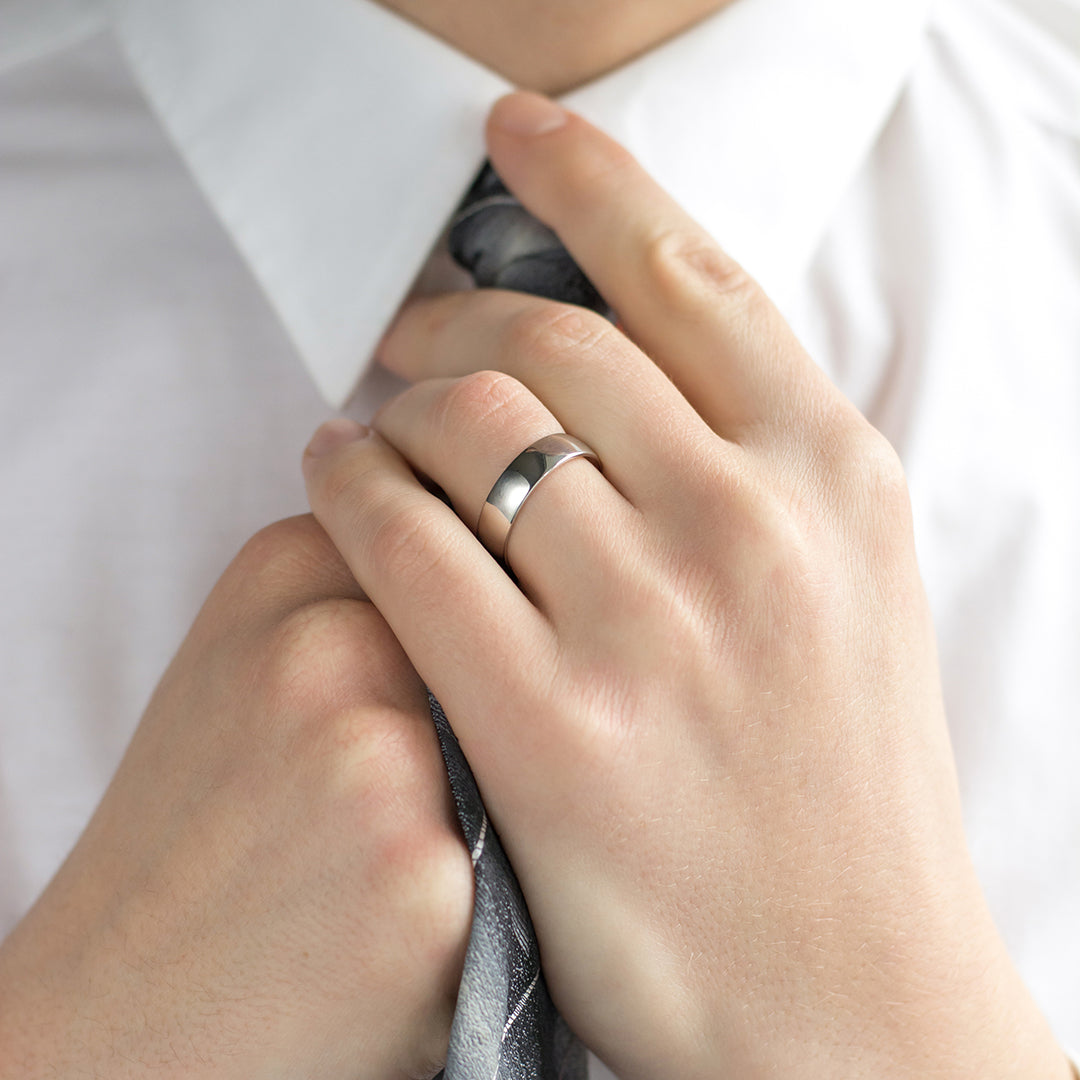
point(209, 212)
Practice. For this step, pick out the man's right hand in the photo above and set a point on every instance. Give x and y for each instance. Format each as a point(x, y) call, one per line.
point(274, 883)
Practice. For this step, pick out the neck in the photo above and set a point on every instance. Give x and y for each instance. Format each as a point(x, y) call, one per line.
point(559, 44)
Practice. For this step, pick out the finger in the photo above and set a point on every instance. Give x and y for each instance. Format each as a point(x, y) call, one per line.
point(284, 566)
point(598, 385)
point(463, 433)
point(463, 623)
point(689, 306)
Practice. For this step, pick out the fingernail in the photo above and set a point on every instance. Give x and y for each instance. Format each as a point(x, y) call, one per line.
point(332, 434)
point(527, 114)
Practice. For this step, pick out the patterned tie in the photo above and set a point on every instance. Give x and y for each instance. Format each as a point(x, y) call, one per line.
point(504, 247)
point(505, 1026)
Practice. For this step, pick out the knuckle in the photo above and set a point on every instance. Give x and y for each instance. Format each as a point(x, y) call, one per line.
point(558, 332)
point(862, 495)
point(274, 566)
point(872, 475)
point(444, 862)
point(398, 760)
point(880, 466)
point(476, 399)
point(314, 655)
point(403, 799)
point(780, 548)
point(334, 681)
point(276, 548)
point(755, 540)
point(431, 876)
point(687, 269)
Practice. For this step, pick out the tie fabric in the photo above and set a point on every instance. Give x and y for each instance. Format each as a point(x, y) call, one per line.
point(504, 247)
point(505, 1026)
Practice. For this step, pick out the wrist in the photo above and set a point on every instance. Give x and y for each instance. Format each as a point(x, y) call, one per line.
point(967, 1014)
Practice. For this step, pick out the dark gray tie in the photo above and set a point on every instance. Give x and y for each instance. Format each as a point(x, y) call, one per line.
point(505, 1026)
point(504, 247)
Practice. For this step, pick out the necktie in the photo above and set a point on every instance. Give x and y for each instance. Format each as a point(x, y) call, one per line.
point(505, 1026)
point(504, 247)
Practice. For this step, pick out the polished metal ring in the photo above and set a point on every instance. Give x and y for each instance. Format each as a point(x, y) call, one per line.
point(519, 480)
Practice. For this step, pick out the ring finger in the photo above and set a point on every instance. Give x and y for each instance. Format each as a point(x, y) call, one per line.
point(601, 387)
point(464, 432)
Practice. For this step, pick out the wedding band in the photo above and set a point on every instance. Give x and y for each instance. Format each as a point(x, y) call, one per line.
point(517, 483)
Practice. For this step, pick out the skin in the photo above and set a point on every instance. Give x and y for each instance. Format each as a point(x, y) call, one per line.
point(723, 774)
point(132, 958)
point(274, 883)
point(708, 725)
point(569, 41)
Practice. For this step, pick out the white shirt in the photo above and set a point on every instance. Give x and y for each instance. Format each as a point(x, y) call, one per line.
point(188, 254)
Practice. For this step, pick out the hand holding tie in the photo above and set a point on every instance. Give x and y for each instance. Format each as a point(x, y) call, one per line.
point(274, 883)
point(706, 718)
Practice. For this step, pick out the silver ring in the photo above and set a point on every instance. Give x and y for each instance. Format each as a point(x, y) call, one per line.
point(517, 483)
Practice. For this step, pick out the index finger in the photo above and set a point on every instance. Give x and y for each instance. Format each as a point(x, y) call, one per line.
point(691, 307)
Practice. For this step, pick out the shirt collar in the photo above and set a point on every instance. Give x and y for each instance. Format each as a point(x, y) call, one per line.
point(334, 138)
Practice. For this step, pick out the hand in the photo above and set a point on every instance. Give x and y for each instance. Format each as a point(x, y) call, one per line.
point(275, 883)
point(708, 725)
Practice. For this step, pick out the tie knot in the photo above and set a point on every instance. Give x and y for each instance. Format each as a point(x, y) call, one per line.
point(504, 247)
